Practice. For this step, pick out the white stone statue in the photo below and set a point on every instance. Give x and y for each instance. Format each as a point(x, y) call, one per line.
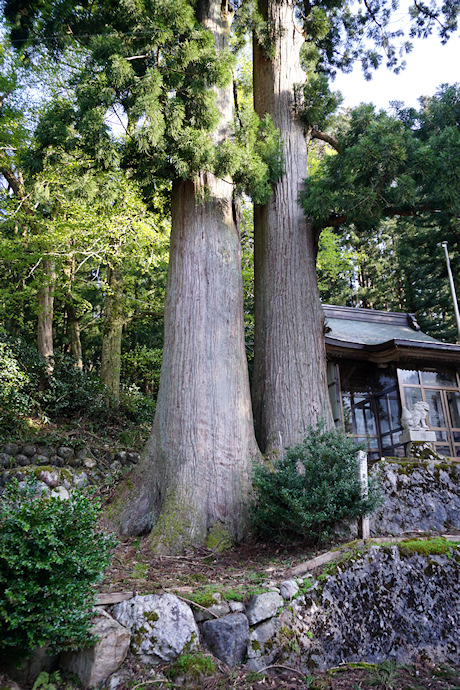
point(415, 419)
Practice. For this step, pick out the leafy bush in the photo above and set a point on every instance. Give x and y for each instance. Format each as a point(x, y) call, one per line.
point(135, 406)
point(17, 381)
point(51, 554)
point(70, 391)
point(311, 488)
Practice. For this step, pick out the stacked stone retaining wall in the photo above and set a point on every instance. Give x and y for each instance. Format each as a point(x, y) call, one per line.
point(419, 496)
point(62, 465)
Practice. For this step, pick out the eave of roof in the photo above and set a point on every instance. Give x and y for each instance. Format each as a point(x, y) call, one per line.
point(383, 337)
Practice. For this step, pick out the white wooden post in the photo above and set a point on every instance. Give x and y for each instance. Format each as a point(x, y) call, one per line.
point(363, 522)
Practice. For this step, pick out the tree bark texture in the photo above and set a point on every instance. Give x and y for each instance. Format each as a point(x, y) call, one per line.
point(112, 332)
point(193, 480)
point(46, 313)
point(74, 333)
point(289, 381)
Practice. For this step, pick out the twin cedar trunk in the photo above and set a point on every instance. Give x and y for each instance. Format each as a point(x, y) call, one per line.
point(194, 477)
point(289, 379)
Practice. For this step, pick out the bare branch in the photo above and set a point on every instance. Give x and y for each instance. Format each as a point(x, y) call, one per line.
point(332, 141)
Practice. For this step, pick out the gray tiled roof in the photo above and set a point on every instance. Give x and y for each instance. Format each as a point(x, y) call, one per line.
point(372, 327)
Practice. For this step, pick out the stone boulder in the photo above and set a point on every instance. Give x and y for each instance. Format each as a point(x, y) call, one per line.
point(227, 637)
point(288, 589)
point(95, 664)
point(218, 609)
point(261, 648)
point(263, 606)
point(162, 626)
point(389, 603)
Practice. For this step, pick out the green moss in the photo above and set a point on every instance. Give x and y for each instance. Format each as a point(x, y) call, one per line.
point(138, 636)
point(219, 539)
point(66, 475)
point(255, 646)
point(204, 597)
point(287, 632)
point(151, 616)
point(304, 587)
point(192, 666)
point(140, 570)
point(427, 547)
point(173, 530)
point(422, 452)
point(345, 547)
point(36, 471)
point(446, 466)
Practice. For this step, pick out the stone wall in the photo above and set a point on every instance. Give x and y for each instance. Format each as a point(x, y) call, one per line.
point(62, 466)
point(418, 496)
point(383, 604)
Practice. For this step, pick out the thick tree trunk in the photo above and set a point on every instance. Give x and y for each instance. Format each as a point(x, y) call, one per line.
point(46, 313)
point(289, 380)
point(112, 332)
point(193, 480)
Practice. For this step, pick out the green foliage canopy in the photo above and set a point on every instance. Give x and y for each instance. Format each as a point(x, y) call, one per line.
point(405, 164)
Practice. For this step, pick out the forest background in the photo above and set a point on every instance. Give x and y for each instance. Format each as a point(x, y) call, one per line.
point(87, 206)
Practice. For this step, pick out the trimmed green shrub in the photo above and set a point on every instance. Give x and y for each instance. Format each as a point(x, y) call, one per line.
point(310, 489)
point(51, 554)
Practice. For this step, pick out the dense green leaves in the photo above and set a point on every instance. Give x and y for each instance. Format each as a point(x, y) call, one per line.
point(405, 164)
point(392, 195)
point(310, 489)
point(51, 555)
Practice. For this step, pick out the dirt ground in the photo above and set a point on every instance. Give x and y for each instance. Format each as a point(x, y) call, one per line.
point(238, 573)
point(240, 569)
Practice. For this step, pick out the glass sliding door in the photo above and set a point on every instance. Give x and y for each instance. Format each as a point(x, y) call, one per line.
point(441, 391)
point(371, 408)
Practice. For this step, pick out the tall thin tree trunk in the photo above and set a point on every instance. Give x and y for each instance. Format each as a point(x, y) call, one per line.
point(46, 313)
point(74, 332)
point(72, 318)
point(194, 476)
point(112, 332)
point(289, 380)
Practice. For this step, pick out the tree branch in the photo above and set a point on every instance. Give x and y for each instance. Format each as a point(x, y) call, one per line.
point(336, 219)
point(431, 15)
point(332, 141)
point(13, 181)
point(235, 100)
